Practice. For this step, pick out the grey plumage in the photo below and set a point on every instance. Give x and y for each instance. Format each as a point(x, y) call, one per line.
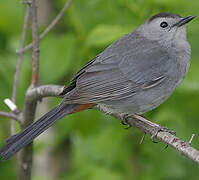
point(164, 14)
point(137, 72)
point(133, 75)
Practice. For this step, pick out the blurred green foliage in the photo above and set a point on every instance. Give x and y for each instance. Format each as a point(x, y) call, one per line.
point(100, 149)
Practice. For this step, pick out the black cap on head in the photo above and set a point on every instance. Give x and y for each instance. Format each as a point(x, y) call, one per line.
point(164, 14)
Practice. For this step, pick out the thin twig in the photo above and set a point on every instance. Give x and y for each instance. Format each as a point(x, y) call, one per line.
point(39, 92)
point(20, 55)
point(9, 115)
point(35, 36)
point(18, 66)
point(191, 139)
point(179, 145)
point(50, 26)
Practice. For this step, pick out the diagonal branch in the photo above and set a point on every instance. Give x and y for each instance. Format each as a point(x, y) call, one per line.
point(50, 26)
point(176, 143)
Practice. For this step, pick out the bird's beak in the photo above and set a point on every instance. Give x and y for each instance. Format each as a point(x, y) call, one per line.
point(184, 21)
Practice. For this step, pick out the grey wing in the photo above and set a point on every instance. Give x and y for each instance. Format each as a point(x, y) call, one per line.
point(119, 73)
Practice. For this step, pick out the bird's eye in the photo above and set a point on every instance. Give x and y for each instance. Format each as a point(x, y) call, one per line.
point(163, 24)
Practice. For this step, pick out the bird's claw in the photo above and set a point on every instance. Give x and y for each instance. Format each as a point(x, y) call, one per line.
point(124, 121)
point(143, 137)
point(161, 129)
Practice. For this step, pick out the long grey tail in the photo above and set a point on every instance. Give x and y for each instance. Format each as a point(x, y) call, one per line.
point(26, 136)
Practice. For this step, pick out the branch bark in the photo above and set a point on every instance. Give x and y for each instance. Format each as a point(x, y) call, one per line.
point(176, 143)
point(40, 92)
point(50, 26)
point(25, 155)
point(35, 36)
point(33, 94)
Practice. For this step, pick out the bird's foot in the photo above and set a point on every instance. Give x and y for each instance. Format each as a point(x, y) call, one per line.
point(160, 129)
point(143, 137)
point(124, 121)
point(152, 128)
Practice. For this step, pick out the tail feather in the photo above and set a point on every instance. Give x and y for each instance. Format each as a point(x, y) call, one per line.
point(26, 136)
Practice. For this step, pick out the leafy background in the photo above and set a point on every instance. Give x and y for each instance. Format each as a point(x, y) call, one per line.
point(90, 145)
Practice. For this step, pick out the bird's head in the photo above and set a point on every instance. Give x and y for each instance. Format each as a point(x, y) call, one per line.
point(166, 27)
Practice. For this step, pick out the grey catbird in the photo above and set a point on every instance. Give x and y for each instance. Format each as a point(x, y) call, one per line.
point(132, 76)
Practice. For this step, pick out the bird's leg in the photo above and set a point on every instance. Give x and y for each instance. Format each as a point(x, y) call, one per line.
point(152, 128)
point(161, 129)
point(139, 121)
point(124, 121)
point(144, 133)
